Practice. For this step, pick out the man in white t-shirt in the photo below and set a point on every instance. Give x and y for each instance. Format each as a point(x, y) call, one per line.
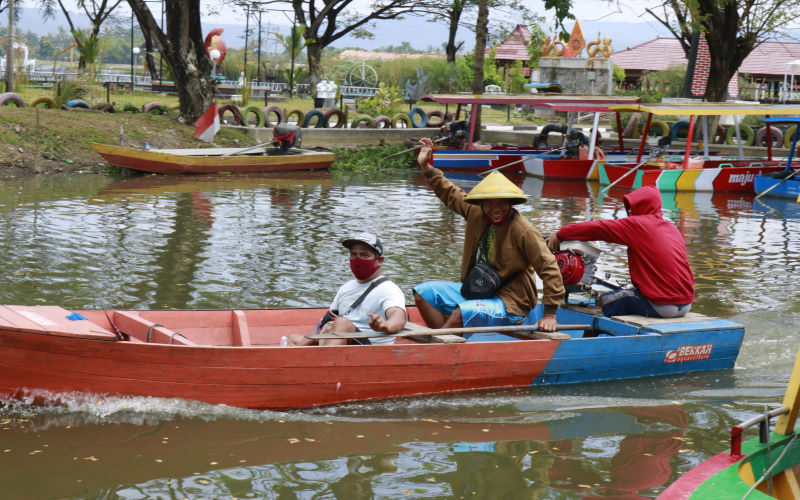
point(382, 309)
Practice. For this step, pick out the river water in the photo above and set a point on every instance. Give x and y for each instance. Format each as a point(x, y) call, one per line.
point(94, 241)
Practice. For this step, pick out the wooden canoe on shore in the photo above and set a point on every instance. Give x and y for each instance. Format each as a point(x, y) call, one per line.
point(234, 357)
point(213, 160)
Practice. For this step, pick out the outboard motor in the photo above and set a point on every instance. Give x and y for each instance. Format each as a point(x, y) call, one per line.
point(574, 142)
point(286, 136)
point(456, 132)
point(577, 261)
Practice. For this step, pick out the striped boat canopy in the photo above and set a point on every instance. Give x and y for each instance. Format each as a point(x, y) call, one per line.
point(709, 109)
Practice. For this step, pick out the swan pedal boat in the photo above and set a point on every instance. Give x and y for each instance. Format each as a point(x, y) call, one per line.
point(235, 357)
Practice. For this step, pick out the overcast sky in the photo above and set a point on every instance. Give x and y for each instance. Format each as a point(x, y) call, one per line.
point(584, 10)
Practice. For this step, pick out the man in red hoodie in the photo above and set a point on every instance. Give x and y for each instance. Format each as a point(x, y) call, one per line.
point(657, 262)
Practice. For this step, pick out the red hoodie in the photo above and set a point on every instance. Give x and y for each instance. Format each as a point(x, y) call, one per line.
point(657, 259)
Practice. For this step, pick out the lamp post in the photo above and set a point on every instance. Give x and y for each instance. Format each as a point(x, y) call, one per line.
point(132, 14)
point(134, 56)
point(214, 57)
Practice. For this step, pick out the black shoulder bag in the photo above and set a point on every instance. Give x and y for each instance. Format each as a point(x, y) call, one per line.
point(483, 282)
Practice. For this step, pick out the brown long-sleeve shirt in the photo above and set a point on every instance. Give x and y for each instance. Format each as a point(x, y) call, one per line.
point(519, 250)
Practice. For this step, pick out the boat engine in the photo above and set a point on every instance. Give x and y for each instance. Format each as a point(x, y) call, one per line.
point(577, 261)
point(286, 136)
point(456, 132)
point(573, 146)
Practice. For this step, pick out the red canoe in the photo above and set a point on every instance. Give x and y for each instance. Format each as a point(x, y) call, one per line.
point(234, 357)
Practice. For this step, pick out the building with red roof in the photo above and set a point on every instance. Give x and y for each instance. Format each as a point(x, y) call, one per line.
point(766, 65)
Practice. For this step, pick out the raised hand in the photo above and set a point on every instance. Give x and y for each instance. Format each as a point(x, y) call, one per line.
point(425, 153)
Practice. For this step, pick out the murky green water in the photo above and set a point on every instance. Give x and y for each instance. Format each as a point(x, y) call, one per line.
point(266, 241)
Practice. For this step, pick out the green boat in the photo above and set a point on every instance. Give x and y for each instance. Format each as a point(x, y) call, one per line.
point(764, 467)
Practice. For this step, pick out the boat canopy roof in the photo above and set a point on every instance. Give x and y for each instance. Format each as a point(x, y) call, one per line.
point(710, 109)
point(589, 102)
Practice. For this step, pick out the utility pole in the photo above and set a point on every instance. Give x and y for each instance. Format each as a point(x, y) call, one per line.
point(246, 34)
point(258, 68)
point(291, 52)
point(10, 51)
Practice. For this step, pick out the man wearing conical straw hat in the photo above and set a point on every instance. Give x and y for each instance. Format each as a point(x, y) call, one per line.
point(499, 237)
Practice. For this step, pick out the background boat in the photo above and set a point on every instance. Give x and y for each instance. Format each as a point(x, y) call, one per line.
point(213, 160)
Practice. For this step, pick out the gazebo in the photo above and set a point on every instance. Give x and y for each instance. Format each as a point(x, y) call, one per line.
point(514, 48)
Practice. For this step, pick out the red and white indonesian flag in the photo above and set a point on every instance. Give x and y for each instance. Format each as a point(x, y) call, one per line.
point(207, 126)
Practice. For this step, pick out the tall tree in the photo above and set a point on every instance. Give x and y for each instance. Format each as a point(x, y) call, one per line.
point(330, 20)
point(481, 27)
point(506, 14)
point(182, 50)
point(732, 28)
point(96, 10)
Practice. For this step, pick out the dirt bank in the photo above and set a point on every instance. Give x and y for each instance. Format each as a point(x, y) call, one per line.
point(41, 141)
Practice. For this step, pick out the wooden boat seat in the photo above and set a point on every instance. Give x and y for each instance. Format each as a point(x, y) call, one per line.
point(691, 317)
point(145, 330)
point(441, 339)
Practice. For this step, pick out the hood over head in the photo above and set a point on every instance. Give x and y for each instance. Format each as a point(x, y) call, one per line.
point(643, 201)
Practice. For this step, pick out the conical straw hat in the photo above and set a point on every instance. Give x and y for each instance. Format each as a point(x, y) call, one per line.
point(494, 186)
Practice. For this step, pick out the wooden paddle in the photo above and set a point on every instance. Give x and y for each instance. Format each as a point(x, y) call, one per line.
point(526, 157)
point(533, 329)
point(626, 174)
point(240, 151)
point(409, 150)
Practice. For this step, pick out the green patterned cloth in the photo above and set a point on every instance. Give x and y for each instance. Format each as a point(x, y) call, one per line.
point(486, 245)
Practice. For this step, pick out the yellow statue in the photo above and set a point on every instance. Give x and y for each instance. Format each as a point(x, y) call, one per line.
point(604, 47)
point(551, 47)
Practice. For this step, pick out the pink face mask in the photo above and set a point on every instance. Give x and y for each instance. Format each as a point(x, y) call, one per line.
point(363, 268)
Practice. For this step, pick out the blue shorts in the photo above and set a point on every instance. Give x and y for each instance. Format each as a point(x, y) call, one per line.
point(445, 296)
point(631, 301)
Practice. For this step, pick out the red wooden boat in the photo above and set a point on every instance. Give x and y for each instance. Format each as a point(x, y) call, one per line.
point(234, 357)
point(213, 160)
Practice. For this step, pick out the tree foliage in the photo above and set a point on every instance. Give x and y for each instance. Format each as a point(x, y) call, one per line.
point(732, 28)
point(330, 20)
point(98, 11)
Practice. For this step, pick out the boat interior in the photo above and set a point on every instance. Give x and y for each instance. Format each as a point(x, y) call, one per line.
point(265, 327)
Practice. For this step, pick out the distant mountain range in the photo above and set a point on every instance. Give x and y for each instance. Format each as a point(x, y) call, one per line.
point(419, 33)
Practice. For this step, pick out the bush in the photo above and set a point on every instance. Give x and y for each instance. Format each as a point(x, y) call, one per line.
point(69, 90)
point(386, 101)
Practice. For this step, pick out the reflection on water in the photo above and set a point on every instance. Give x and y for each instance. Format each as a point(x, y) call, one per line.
point(273, 241)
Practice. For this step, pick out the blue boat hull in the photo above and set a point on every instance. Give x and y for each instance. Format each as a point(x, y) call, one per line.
point(628, 350)
point(786, 189)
